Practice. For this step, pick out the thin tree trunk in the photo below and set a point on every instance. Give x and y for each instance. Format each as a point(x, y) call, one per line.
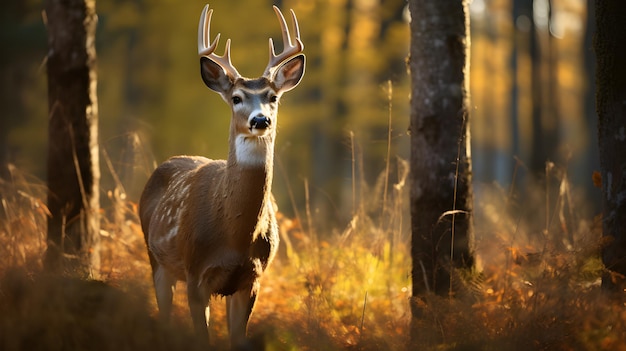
point(538, 151)
point(73, 169)
point(552, 117)
point(611, 108)
point(545, 115)
point(440, 148)
point(517, 11)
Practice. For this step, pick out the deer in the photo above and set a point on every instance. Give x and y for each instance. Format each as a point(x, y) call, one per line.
point(212, 223)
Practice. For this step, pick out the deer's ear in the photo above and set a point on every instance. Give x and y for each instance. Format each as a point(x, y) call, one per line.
point(289, 73)
point(214, 76)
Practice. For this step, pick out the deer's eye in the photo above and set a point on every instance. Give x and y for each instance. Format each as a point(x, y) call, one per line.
point(236, 100)
point(273, 98)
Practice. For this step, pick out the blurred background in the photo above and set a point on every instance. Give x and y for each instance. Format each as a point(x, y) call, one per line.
point(531, 93)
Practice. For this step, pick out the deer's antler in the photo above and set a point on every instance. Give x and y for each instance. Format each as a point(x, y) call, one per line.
point(204, 49)
point(289, 49)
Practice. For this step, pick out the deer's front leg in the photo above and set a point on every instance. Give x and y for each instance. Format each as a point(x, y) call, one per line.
point(164, 285)
point(238, 309)
point(199, 310)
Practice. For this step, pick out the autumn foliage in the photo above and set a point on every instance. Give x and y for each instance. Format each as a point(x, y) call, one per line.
point(347, 289)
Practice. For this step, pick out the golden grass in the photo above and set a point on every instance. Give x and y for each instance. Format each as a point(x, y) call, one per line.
point(349, 289)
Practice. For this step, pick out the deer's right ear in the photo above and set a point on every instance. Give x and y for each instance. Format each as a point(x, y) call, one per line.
point(214, 76)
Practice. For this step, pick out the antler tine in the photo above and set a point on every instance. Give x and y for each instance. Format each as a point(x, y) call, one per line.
point(204, 49)
point(225, 62)
point(204, 34)
point(294, 20)
point(289, 49)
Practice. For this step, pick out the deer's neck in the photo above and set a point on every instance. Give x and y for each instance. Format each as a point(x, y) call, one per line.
point(248, 178)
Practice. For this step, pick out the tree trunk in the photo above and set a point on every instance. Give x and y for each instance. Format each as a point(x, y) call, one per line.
point(73, 169)
point(440, 148)
point(538, 155)
point(517, 10)
point(590, 161)
point(544, 84)
point(611, 109)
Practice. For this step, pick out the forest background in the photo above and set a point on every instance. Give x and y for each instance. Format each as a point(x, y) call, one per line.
point(531, 97)
point(530, 88)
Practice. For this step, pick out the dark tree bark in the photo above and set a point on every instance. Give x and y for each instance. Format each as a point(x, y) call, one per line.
point(590, 161)
point(440, 148)
point(73, 169)
point(611, 108)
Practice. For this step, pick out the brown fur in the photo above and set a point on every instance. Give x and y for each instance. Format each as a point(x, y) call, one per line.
point(220, 200)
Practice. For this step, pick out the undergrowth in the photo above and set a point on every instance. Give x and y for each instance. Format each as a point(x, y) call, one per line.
point(348, 289)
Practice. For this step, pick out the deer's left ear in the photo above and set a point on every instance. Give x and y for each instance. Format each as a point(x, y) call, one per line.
point(289, 73)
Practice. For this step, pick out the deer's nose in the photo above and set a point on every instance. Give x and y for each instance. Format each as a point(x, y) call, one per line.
point(260, 122)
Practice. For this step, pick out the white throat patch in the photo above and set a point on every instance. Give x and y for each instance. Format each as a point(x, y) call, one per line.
point(251, 151)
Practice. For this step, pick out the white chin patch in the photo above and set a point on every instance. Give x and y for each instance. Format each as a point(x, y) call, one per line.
point(251, 151)
point(259, 132)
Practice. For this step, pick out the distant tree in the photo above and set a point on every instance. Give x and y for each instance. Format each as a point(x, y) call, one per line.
point(73, 170)
point(544, 69)
point(23, 35)
point(519, 31)
point(611, 108)
point(441, 192)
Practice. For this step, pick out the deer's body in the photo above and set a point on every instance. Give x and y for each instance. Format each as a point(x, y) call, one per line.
point(211, 223)
point(187, 223)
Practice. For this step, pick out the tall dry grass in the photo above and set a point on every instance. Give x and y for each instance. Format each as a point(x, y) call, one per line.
point(535, 289)
point(325, 291)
